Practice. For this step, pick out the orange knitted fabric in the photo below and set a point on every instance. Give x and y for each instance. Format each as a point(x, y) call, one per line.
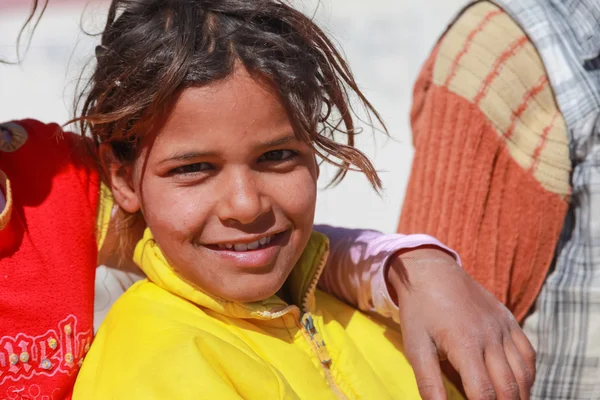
point(490, 176)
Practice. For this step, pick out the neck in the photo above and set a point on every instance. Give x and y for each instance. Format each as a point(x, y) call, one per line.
point(283, 294)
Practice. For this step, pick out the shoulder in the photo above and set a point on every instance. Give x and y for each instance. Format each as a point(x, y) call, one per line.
point(157, 339)
point(481, 48)
point(32, 137)
point(15, 134)
point(150, 319)
point(144, 323)
point(26, 139)
point(144, 311)
point(35, 153)
point(486, 65)
point(483, 52)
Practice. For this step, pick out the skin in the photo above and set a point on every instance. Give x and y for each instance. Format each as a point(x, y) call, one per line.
point(446, 315)
point(2, 200)
point(226, 168)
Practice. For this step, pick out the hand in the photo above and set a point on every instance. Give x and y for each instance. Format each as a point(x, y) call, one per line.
point(444, 313)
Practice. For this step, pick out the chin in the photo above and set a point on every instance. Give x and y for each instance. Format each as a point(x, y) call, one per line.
point(252, 292)
point(252, 297)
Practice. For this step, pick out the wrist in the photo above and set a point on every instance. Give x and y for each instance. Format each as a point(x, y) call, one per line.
point(408, 267)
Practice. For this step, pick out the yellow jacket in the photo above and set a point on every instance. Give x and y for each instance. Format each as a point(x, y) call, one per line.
point(165, 339)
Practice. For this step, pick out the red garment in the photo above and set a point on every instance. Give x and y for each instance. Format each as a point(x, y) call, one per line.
point(48, 256)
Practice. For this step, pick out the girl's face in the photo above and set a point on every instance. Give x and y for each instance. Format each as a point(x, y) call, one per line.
point(227, 190)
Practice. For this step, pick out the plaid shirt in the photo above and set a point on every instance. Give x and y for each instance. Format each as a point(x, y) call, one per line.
point(565, 327)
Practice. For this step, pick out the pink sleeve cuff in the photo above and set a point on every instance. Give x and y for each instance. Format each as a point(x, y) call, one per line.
point(358, 263)
point(387, 246)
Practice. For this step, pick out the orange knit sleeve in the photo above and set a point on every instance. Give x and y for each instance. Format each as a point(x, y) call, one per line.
point(490, 177)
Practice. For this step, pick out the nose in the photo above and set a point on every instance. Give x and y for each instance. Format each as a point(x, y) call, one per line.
point(242, 199)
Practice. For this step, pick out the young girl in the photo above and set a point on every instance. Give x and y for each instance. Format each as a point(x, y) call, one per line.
point(210, 116)
point(51, 199)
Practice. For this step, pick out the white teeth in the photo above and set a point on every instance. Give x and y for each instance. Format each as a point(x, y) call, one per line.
point(245, 247)
point(240, 247)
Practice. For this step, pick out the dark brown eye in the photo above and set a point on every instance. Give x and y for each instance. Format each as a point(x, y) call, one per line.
point(278, 155)
point(191, 169)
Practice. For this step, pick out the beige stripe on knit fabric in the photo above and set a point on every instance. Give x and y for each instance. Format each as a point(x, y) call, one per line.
point(487, 59)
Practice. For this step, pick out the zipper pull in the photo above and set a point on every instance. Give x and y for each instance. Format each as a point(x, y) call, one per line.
point(315, 336)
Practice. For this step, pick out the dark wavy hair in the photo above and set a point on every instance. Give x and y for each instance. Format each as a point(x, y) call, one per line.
point(151, 49)
point(31, 21)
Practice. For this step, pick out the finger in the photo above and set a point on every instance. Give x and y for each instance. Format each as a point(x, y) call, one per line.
point(525, 349)
point(469, 363)
point(423, 357)
point(503, 379)
point(452, 375)
point(519, 368)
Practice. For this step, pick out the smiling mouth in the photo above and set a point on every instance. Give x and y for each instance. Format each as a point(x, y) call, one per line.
point(263, 242)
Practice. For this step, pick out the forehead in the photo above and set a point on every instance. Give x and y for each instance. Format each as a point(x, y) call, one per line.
point(238, 103)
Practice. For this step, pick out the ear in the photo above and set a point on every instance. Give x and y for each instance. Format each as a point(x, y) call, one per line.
point(121, 180)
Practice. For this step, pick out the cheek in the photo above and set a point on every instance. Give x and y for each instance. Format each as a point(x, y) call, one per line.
point(296, 195)
point(172, 212)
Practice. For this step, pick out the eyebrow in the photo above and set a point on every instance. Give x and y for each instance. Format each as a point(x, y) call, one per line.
point(194, 155)
point(280, 141)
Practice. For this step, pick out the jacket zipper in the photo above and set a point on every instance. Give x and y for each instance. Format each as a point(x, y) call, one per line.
point(315, 337)
point(318, 343)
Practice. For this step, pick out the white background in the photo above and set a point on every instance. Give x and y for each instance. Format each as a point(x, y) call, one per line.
point(386, 41)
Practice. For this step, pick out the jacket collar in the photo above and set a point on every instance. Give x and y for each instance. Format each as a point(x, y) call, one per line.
point(301, 284)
